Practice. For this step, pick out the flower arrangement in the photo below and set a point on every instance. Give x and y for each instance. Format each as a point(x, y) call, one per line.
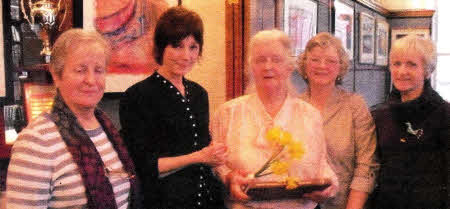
point(281, 140)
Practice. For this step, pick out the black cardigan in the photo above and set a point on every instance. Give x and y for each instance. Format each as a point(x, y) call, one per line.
point(414, 161)
point(157, 121)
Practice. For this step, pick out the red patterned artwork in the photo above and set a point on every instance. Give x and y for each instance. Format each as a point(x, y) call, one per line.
point(129, 25)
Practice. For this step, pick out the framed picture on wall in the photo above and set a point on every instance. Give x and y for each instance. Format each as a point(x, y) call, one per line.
point(343, 25)
point(300, 22)
point(399, 33)
point(381, 48)
point(131, 36)
point(366, 38)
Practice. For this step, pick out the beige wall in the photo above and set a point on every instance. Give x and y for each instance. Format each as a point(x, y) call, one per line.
point(210, 72)
point(408, 4)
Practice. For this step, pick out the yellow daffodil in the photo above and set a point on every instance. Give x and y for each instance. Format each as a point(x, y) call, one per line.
point(285, 139)
point(274, 134)
point(281, 139)
point(292, 182)
point(296, 150)
point(279, 167)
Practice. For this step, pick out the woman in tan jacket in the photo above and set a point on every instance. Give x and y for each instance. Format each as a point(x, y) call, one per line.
point(348, 126)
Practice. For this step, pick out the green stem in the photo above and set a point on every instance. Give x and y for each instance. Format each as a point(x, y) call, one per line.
point(267, 164)
point(264, 174)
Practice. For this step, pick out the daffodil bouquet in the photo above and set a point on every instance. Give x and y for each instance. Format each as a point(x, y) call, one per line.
point(282, 142)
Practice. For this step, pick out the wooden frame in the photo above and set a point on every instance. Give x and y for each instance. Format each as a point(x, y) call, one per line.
point(300, 22)
point(234, 38)
point(131, 60)
point(399, 33)
point(412, 13)
point(344, 25)
point(382, 43)
point(366, 38)
point(2, 56)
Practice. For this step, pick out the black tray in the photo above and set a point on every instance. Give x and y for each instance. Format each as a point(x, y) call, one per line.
point(277, 190)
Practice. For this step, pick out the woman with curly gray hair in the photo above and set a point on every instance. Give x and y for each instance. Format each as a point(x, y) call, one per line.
point(348, 126)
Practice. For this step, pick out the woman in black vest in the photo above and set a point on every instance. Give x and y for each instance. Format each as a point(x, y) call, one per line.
point(413, 130)
point(165, 121)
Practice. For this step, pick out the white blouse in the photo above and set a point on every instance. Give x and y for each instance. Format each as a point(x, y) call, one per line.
point(242, 124)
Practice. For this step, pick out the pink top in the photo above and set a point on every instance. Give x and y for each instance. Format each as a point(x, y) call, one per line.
point(242, 124)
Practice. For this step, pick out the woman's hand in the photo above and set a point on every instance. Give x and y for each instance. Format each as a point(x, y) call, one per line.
point(237, 182)
point(214, 154)
point(319, 196)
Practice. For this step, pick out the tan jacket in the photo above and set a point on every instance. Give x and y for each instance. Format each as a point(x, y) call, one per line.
point(350, 136)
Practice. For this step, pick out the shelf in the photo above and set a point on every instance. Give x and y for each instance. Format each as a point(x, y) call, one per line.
point(34, 68)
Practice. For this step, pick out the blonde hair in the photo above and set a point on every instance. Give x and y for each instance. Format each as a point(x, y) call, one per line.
point(324, 40)
point(424, 47)
point(74, 37)
point(268, 36)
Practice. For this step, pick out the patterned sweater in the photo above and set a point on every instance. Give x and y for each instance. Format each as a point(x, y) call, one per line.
point(42, 173)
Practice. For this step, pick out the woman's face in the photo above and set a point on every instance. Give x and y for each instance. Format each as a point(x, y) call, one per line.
point(82, 80)
point(408, 73)
point(180, 59)
point(270, 64)
point(322, 66)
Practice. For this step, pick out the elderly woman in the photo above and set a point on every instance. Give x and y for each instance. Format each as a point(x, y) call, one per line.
point(413, 130)
point(73, 157)
point(165, 121)
point(348, 125)
point(242, 125)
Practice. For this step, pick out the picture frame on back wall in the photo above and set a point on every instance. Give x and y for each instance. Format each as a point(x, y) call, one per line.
point(300, 22)
point(382, 43)
point(399, 33)
point(344, 25)
point(131, 38)
point(366, 38)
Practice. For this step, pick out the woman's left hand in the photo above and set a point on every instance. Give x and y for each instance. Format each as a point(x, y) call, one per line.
point(214, 154)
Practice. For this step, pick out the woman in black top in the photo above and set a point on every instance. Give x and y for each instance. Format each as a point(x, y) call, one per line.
point(165, 121)
point(413, 131)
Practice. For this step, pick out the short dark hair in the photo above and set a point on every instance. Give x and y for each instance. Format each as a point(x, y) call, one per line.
point(174, 25)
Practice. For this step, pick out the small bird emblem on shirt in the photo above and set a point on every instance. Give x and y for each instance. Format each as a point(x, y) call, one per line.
point(418, 132)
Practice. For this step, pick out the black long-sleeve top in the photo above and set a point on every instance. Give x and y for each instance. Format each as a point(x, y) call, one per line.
point(158, 121)
point(414, 152)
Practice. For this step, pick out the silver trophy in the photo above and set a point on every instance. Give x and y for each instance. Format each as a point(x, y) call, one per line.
point(50, 15)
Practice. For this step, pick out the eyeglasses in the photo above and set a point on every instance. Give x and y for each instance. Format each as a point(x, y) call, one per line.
point(328, 61)
point(263, 59)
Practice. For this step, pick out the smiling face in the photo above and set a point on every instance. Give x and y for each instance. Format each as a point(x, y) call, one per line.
point(178, 60)
point(322, 66)
point(408, 74)
point(82, 81)
point(270, 64)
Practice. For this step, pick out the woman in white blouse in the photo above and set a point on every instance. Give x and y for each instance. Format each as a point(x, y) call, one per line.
point(242, 124)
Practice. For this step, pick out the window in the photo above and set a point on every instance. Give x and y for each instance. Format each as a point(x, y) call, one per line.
point(441, 77)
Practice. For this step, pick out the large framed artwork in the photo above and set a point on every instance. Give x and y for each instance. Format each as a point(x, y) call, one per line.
point(343, 25)
point(300, 22)
point(2, 56)
point(128, 25)
point(399, 33)
point(381, 52)
point(366, 38)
